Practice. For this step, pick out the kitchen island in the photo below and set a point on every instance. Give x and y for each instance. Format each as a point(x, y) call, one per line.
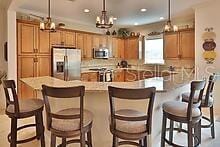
point(96, 100)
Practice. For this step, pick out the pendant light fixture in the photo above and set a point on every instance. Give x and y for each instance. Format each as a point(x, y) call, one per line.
point(103, 21)
point(48, 25)
point(169, 27)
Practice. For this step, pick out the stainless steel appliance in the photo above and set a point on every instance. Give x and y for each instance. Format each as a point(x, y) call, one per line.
point(104, 74)
point(101, 53)
point(66, 63)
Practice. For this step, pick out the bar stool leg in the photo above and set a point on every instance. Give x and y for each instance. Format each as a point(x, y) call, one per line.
point(115, 141)
point(141, 143)
point(197, 130)
point(212, 122)
point(145, 141)
point(40, 128)
point(53, 140)
point(163, 133)
point(82, 139)
point(89, 137)
point(190, 136)
point(63, 142)
point(171, 132)
point(13, 132)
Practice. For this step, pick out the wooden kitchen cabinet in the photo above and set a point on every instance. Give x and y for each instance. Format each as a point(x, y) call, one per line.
point(88, 49)
point(26, 38)
point(187, 44)
point(96, 41)
point(118, 47)
point(131, 75)
point(43, 43)
point(131, 48)
point(171, 46)
point(119, 76)
point(31, 66)
point(89, 77)
point(70, 38)
point(57, 38)
point(180, 45)
point(80, 43)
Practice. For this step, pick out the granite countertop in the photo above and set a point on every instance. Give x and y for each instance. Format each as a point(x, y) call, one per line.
point(162, 84)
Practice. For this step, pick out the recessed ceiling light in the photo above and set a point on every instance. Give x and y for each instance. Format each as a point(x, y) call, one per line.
point(161, 18)
point(135, 23)
point(115, 18)
point(86, 10)
point(143, 10)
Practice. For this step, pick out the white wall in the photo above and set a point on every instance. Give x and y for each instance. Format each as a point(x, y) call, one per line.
point(207, 15)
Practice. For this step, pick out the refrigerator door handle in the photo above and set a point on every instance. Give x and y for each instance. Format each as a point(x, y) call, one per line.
point(65, 68)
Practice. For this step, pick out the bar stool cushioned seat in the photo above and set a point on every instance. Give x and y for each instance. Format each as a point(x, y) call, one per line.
point(71, 124)
point(180, 109)
point(25, 106)
point(130, 126)
point(185, 98)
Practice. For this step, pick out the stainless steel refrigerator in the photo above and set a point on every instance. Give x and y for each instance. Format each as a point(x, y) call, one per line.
point(66, 63)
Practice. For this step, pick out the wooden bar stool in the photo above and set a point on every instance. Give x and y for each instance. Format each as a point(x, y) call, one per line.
point(129, 124)
point(207, 102)
point(19, 109)
point(71, 122)
point(182, 112)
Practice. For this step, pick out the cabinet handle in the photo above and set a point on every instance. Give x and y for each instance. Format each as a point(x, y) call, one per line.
point(36, 59)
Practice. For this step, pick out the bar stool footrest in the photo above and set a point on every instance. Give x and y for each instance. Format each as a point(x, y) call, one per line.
point(128, 142)
point(209, 125)
point(73, 141)
point(184, 131)
point(24, 140)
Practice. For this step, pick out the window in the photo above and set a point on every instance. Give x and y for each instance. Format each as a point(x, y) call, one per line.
point(154, 51)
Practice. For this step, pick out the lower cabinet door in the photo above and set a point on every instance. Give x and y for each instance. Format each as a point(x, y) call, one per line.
point(26, 69)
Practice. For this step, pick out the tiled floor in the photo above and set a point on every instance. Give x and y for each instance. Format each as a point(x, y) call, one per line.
point(181, 138)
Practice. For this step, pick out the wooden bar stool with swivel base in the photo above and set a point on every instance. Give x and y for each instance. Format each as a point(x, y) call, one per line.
point(17, 109)
point(69, 122)
point(207, 102)
point(129, 124)
point(182, 112)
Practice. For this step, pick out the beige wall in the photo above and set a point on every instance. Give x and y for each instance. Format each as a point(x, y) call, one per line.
point(3, 37)
point(207, 15)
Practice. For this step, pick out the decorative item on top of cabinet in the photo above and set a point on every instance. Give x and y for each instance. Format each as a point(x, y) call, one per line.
point(180, 45)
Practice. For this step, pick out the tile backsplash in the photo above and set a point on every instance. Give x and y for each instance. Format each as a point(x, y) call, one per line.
point(112, 63)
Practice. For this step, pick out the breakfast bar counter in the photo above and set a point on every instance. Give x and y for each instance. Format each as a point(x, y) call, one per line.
point(96, 100)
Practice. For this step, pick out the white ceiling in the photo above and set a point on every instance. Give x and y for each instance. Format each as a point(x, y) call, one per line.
point(127, 11)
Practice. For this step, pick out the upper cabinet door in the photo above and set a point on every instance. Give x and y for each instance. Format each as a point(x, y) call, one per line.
point(132, 48)
point(70, 39)
point(103, 41)
point(121, 46)
point(171, 48)
point(96, 41)
point(56, 38)
point(26, 37)
point(44, 43)
point(87, 51)
point(187, 44)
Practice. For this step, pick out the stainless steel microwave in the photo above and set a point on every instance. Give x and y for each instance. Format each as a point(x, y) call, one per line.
point(100, 53)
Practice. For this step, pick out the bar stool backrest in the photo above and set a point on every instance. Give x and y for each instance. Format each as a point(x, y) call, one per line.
point(65, 93)
point(10, 91)
point(132, 94)
point(209, 90)
point(195, 86)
